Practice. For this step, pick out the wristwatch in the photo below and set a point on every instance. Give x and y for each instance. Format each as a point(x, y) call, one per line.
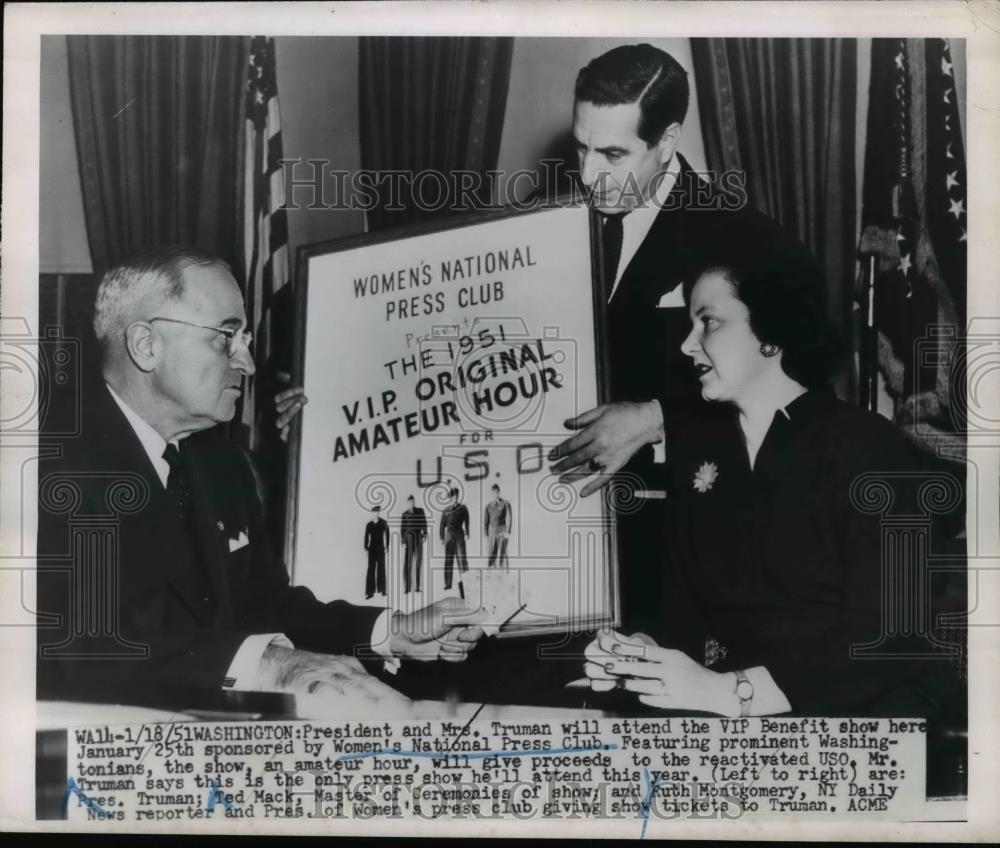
point(744, 691)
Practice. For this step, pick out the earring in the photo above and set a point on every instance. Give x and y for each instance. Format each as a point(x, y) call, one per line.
point(767, 349)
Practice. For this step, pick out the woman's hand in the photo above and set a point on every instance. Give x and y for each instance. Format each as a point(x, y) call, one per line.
point(661, 677)
point(670, 679)
point(610, 645)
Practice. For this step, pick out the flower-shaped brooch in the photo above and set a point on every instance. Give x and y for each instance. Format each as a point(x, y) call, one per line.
point(705, 476)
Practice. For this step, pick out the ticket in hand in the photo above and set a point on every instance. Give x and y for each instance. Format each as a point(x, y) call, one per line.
point(498, 592)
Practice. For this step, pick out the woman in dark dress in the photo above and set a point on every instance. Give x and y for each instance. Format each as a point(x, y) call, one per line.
point(779, 600)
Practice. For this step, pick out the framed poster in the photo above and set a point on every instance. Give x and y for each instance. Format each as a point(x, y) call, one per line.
point(440, 364)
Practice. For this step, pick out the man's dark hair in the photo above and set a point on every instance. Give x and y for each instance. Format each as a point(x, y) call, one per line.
point(638, 73)
point(453, 493)
point(495, 486)
point(779, 281)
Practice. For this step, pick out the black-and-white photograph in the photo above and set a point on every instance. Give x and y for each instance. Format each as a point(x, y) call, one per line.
point(527, 427)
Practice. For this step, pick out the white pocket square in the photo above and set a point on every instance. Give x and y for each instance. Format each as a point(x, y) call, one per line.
point(240, 541)
point(674, 297)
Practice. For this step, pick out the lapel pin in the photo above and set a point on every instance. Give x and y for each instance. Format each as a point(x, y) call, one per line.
point(704, 478)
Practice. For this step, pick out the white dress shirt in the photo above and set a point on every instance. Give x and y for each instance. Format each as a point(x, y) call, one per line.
point(243, 670)
point(637, 224)
point(635, 227)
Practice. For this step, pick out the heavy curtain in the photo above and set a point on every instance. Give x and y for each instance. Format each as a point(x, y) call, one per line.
point(159, 126)
point(430, 106)
point(783, 111)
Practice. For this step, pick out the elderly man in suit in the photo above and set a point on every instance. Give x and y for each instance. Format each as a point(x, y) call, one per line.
point(657, 219)
point(184, 588)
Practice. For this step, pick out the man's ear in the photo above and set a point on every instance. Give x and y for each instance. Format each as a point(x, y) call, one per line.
point(142, 345)
point(668, 142)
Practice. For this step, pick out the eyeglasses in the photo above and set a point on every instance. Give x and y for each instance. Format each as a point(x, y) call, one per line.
point(235, 339)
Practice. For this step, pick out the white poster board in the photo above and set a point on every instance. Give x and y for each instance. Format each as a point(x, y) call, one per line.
point(449, 358)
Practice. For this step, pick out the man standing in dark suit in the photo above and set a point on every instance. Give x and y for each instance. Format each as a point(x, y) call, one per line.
point(454, 531)
point(154, 566)
point(414, 531)
point(657, 218)
point(376, 541)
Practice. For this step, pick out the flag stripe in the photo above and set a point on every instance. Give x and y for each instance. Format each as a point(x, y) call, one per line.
point(279, 232)
point(276, 192)
point(274, 153)
point(265, 224)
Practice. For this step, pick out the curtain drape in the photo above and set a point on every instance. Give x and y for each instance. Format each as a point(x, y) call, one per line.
point(429, 107)
point(159, 125)
point(783, 111)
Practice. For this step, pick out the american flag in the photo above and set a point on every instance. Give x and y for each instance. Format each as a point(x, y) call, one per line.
point(946, 176)
point(264, 219)
point(914, 206)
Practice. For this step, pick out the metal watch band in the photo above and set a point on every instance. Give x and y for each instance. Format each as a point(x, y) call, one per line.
point(744, 691)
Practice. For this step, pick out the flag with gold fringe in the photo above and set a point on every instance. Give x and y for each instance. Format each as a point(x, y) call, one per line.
point(914, 224)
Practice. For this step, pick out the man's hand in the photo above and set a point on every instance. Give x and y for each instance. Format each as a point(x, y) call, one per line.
point(327, 685)
point(288, 403)
point(608, 437)
point(291, 670)
point(443, 630)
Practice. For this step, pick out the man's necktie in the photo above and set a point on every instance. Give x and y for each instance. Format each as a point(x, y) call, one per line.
point(189, 551)
point(612, 234)
point(177, 488)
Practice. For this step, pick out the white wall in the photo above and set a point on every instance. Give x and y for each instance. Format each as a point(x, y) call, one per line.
point(318, 95)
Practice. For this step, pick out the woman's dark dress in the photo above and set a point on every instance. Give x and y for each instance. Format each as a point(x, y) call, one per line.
point(776, 566)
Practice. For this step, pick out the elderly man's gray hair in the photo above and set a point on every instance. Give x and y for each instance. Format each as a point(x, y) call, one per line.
point(132, 290)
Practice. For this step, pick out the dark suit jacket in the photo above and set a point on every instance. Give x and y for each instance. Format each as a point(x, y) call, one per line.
point(803, 559)
point(173, 606)
point(644, 339)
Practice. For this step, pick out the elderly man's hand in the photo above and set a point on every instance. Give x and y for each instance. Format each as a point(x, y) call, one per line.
point(608, 437)
point(288, 403)
point(292, 670)
point(446, 629)
point(328, 685)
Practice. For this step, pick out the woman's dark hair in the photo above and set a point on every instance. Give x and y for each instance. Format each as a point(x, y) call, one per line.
point(780, 283)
